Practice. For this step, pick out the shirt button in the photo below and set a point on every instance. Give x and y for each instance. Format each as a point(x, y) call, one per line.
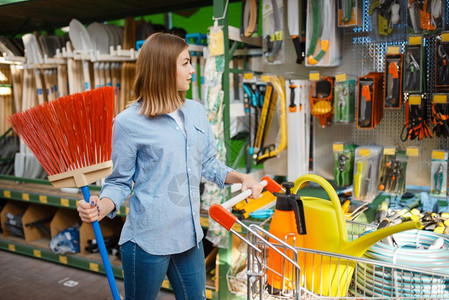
point(177, 128)
point(188, 169)
point(188, 147)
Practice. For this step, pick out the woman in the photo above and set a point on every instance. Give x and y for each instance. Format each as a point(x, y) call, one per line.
point(163, 144)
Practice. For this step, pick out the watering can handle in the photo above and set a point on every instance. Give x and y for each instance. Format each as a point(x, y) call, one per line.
point(332, 195)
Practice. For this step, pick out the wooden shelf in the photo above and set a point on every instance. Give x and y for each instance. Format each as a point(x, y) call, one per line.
point(44, 194)
point(90, 262)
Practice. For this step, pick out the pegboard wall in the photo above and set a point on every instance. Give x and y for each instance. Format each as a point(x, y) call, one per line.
point(364, 52)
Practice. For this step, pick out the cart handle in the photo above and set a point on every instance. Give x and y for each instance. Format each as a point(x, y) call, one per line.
point(242, 196)
point(220, 213)
point(222, 216)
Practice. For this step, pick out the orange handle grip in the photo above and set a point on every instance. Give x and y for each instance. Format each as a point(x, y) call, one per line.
point(222, 216)
point(366, 93)
point(393, 69)
point(272, 186)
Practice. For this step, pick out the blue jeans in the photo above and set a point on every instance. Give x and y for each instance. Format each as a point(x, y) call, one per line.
point(144, 273)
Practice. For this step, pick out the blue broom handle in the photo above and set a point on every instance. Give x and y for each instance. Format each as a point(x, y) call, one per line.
point(103, 251)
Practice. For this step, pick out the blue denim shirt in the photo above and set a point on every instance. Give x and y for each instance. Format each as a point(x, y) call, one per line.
point(166, 167)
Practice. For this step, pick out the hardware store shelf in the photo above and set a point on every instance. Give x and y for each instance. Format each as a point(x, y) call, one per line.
point(40, 249)
point(43, 193)
point(91, 262)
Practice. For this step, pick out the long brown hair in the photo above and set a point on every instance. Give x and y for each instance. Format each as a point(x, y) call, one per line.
point(156, 68)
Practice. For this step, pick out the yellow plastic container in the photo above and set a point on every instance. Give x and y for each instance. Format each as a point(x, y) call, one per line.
point(326, 231)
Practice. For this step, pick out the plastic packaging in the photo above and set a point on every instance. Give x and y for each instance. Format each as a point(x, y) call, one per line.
point(67, 241)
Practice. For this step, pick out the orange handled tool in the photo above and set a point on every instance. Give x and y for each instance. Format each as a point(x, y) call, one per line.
point(242, 196)
point(221, 214)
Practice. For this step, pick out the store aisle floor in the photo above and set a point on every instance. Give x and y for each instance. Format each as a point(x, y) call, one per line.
point(26, 278)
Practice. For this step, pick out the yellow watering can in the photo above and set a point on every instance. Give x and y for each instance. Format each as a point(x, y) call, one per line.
point(326, 231)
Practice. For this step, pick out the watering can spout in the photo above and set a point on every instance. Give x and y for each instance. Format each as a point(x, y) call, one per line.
point(359, 246)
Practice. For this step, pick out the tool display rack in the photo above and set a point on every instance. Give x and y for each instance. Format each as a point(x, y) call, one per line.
point(360, 55)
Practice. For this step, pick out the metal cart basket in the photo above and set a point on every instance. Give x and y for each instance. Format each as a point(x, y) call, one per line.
point(310, 274)
point(276, 270)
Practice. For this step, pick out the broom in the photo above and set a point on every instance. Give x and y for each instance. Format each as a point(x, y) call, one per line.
point(71, 138)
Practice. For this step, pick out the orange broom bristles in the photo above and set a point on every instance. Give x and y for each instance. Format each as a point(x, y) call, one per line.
point(70, 132)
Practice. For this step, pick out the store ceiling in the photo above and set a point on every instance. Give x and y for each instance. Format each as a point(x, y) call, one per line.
point(23, 17)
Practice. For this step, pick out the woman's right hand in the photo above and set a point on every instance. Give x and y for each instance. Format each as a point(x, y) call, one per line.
point(89, 212)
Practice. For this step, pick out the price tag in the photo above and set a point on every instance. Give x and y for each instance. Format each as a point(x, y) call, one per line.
point(37, 253)
point(216, 43)
point(445, 37)
point(414, 99)
point(126, 210)
point(208, 294)
point(412, 151)
point(440, 155)
point(389, 151)
point(25, 197)
point(63, 259)
point(340, 77)
point(440, 98)
point(7, 194)
point(314, 76)
point(415, 40)
point(93, 267)
point(337, 147)
point(364, 152)
point(393, 50)
point(248, 76)
point(12, 247)
point(43, 199)
point(265, 78)
point(65, 202)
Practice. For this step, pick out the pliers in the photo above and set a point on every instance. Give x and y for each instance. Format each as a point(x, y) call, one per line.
point(413, 73)
point(442, 66)
point(342, 170)
point(438, 178)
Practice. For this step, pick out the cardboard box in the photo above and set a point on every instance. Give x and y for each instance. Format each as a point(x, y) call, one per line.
point(36, 216)
point(15, 208)
point(109, 227)
point(63, 219)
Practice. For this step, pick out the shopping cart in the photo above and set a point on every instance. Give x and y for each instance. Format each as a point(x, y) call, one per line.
point(308, 273)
